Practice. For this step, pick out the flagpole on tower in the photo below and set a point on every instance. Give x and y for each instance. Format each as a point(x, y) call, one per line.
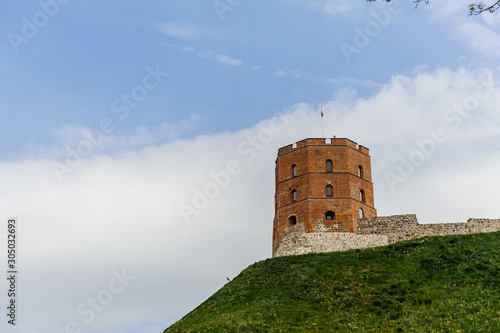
point(322, 122)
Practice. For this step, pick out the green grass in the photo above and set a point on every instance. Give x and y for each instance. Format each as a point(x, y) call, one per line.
point(431, 284)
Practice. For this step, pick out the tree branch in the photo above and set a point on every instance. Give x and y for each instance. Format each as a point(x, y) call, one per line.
point(476, 9)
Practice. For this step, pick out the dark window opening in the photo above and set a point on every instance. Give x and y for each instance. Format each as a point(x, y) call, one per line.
point(362, 196)
point(292, 219)
point(360, 171)
point(329, 166)
point(330, 215)
point(294, 170)
point(294, 195)
point(329, 190)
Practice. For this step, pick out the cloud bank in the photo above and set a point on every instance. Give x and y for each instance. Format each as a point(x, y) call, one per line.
point(135, 238)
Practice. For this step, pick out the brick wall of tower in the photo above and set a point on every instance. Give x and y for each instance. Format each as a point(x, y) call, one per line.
point(310, 156)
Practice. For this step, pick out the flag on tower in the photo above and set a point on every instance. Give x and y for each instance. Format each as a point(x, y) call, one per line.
point(322, 122)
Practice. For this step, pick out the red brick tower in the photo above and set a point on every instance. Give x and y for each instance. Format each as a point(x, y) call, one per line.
point(322, 180)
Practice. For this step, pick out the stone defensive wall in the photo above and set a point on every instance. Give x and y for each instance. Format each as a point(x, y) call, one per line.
point(372, 232)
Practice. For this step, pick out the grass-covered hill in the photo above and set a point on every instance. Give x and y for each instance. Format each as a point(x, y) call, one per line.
point(431, 284)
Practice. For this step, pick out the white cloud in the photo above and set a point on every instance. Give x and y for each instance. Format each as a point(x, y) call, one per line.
point(121, 211)
point(185, 30)
point(221, 58)
point(345, 83)
point(161, 133)
point(481, 38)
point(407, 111)
point(335, 7)
point(492, 21)
point(204, 54)
point(350, 82)
point(479, 32)
point(279, 74)
point(297, 74)
point(72, 138)
point(188, 48)
point(227, 60)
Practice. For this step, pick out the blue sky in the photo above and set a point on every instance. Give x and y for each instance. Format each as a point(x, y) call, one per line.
point(90, 53)
point(116, 115)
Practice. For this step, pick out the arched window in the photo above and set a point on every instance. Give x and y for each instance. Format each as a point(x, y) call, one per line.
point(362, 196)
point(294, 195)
point(292, 219)
point(294, 170)
point(361, 213)
point(329, 165)
point(360, 171)
point(329, 190)
point(330, 215)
